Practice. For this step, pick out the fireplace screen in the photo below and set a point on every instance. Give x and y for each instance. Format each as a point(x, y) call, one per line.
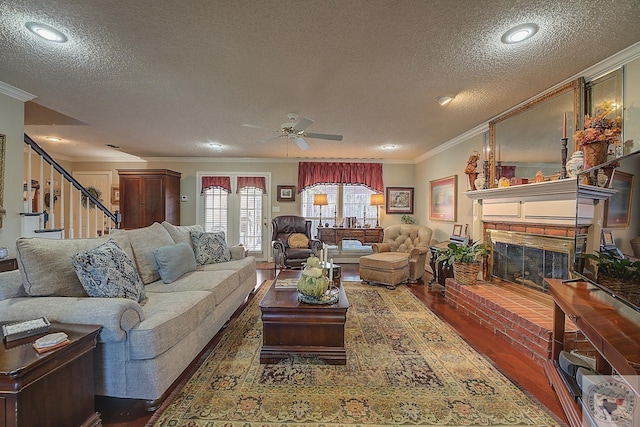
point(528, 259)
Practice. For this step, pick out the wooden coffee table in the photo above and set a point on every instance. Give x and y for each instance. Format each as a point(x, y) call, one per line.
point(49, 389)
point(292, 328)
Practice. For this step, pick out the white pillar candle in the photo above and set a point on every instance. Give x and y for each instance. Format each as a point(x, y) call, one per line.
point(331, 270)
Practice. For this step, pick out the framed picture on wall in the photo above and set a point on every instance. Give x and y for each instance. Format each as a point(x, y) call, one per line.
point(443, 198)
point(618, 207)
point(115, 195)
point(286, 193)
point(399, 200)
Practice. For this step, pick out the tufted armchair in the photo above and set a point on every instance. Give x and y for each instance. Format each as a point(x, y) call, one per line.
point(287, 250)
point(411, 239)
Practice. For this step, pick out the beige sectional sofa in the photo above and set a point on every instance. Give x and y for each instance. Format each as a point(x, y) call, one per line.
point(143, 347)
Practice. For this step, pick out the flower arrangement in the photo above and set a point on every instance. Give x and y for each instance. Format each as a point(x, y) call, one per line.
point(407, 219)
point(313, 283)
point(599, 129)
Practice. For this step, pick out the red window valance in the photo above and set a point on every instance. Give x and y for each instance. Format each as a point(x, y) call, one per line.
point(314, 173)
point(252, 181)
point(221, 182)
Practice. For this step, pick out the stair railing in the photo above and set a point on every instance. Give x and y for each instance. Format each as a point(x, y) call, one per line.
point(49, 222)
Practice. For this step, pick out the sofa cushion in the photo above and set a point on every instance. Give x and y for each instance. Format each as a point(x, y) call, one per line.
point(210, 247)
point(244, 267)
point(218, 283)
point(107, 271)
point(180, 233)
point(46, 268)
point(173, 261)
point(298, 240)
point(143, 242)
point(168, 318)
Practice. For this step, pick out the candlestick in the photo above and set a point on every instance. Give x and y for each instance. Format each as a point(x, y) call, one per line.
point(563, 151)
point(499, 152)
point(564, 125)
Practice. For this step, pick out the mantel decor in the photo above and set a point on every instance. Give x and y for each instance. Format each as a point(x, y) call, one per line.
point(443, 198)
point(599, 132)
point(286, 193)
point(399, 200)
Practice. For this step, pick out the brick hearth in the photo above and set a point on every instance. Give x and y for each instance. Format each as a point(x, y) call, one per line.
point(523, 322)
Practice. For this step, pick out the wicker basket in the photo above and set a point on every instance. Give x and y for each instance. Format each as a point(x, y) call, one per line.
point(466, 273)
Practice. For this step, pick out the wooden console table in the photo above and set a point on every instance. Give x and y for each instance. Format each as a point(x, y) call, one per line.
point(335, 235)
point(612, 327)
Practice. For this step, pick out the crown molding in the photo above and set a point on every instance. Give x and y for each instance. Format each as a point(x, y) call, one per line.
point(481, 128)
point(14, 92)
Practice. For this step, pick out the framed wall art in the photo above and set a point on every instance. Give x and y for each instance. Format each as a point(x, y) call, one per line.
point(443, 198)
point(115, 195)
point(286, 193)
point(618, 207)
point(399, 200)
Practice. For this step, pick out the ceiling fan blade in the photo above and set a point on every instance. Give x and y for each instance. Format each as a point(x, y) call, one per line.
point(262, 141)
point(302, 124)
point(249, 125)
point(301, 143)
point(324, 136)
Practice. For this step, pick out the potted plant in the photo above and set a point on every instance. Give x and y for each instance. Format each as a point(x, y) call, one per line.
point(613, 268)
point(466, 259)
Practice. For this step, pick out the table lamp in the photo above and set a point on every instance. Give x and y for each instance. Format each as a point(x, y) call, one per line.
point(377, 200)
point(320, 200)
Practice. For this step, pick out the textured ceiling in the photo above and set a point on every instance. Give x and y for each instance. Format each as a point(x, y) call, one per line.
point(165, 78)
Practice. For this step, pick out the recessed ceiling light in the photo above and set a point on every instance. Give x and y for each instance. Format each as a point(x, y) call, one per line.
point(53, 138)
point(519, 33)
point(444, 100)
point(388, 147)
point(215, 145)
point(46, 32)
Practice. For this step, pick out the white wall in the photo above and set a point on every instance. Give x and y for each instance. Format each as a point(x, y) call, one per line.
point(12, 126)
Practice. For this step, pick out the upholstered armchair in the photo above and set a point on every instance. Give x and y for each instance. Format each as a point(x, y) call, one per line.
point(411, 239)
point(292, 242)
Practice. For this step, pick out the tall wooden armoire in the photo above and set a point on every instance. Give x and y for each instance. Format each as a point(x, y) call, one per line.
point(148, 196)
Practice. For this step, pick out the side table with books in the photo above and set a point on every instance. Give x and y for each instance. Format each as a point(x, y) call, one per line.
point(53, 387)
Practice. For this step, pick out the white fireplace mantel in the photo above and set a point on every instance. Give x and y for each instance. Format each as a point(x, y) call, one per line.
point(547, 203)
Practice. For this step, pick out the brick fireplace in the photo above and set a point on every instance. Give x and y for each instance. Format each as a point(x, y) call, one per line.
point(532, 231)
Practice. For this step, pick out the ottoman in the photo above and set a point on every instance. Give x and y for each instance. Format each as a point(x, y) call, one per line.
point(388, 268)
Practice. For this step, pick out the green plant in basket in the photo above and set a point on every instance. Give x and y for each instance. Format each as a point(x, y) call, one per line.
point(463, 252)
point(613, 266)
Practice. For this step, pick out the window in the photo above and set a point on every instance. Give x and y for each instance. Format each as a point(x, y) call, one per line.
point(343, 201)
point(215, 207)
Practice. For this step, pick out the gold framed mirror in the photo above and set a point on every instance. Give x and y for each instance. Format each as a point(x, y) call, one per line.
point(528, 138)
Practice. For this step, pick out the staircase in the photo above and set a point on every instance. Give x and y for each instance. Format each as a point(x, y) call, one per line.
point(56, 205)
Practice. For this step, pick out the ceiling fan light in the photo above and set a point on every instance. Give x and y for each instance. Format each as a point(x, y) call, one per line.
point(444, 100)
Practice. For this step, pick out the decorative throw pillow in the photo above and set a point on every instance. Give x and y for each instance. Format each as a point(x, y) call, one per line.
point(298, 240)
point(107, 271)
point(173, 261)
point(210, 248)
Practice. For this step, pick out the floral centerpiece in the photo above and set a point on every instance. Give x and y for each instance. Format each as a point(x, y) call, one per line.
point(599, 132)
point(314, 285)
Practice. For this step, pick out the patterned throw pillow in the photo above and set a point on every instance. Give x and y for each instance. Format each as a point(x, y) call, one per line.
point(298, 240)
point(107, 271)
point(210, 248)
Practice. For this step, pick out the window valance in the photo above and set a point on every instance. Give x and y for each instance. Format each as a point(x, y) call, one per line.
point(252, 181)
point(221, 182)
point(314, 173)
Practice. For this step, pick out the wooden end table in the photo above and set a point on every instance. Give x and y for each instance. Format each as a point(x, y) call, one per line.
point(55, 388)
point(292, 328)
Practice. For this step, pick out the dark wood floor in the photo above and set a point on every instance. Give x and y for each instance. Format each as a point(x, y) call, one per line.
point(515, 365)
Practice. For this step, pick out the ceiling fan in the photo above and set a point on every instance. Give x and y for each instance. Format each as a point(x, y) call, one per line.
point(295, 128)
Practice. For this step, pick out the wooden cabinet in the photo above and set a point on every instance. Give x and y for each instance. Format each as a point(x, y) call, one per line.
point(335, 235)
point(148, 196)
point(8, 264)
point(612, 327)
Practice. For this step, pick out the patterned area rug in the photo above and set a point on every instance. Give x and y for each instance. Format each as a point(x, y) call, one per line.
point(404, 366)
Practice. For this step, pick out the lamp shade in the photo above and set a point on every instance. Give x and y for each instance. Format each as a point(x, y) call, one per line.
point(376, 200)
point(320, 199)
